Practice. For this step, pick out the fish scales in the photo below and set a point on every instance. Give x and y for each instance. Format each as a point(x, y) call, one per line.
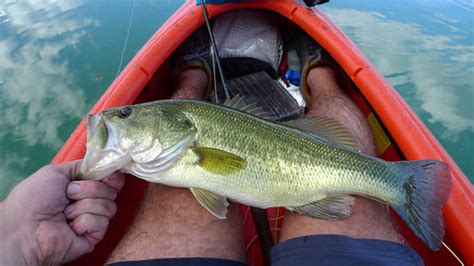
point(285, 167)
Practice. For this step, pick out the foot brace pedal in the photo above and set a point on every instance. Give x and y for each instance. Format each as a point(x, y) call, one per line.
point(268, 93)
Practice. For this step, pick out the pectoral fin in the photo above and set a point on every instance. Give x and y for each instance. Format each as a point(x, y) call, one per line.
point(330, 208)
point(218, 161)
point(215, 204)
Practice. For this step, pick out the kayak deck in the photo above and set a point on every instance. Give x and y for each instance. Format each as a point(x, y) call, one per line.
point(399, 132)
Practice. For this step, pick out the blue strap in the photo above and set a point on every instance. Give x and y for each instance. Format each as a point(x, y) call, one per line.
point(198, 2)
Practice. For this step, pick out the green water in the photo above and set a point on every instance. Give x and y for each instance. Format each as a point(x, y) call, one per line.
point(58, 57)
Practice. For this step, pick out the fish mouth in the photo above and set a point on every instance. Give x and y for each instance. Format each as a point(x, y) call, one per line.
point(102, 154)
point(92, 122)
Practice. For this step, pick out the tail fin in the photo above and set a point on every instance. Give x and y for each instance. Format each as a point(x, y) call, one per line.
point(426, 185)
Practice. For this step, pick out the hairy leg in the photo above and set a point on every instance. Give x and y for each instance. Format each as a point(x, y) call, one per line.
point(171, 223)
point(191, 84)
point(369, 219)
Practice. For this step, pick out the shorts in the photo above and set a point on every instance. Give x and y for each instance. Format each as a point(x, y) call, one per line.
point(315, 250)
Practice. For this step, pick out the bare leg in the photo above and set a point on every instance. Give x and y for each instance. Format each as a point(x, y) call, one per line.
point(191, 84)
point(369, 218)
point(171, 223)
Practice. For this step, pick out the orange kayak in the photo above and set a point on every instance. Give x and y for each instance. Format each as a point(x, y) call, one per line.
point(400, 134)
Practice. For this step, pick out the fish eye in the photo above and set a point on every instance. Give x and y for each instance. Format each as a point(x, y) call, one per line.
point(125, 112)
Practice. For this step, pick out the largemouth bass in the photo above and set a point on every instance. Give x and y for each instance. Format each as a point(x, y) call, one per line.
point(310, 166)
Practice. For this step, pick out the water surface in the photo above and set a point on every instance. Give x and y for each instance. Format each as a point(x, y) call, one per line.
point(425, 49)
point(58, 57)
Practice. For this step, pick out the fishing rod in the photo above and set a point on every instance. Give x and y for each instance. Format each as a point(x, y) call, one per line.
point(214, 50)
point(311, 3)
point(259, 215)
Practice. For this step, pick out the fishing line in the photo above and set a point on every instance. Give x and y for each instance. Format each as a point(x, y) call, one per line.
point(214, 76)
point(126, 39)
point(259, 215)
point(214, 48)
point(442, 242)
point(446, 246)
point(452, 252)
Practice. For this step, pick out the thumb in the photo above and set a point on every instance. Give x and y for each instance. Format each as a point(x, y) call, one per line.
point(69, 169)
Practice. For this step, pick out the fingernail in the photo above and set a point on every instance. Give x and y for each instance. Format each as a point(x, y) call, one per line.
point(68, 210)
point(73, 188)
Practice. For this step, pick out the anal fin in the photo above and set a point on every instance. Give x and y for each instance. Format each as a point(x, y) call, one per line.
point(329, 208)
point(215, 204)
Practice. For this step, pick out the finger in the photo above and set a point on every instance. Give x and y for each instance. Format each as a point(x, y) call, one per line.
point(102, 207)
point(65, 170)
point(91, 226)
point(90, 229)
point(78, 190)
point(115, 180)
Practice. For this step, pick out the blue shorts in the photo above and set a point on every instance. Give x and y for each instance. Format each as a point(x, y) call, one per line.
point(316, 250)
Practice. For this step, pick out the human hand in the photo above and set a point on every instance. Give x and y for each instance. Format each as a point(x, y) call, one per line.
point(50, 219)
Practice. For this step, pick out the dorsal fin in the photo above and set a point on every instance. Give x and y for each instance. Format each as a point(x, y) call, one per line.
point(327, 128)
point(237, 102)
